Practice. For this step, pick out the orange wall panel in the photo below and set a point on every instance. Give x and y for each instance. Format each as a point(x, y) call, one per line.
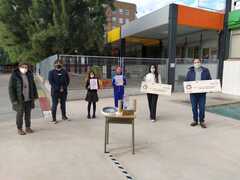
point(199, 18)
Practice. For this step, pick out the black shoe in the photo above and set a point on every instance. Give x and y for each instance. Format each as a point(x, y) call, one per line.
point(194, 124)
point(89, 117)
point(94, 116)
point(64, 118)
point(203, 125)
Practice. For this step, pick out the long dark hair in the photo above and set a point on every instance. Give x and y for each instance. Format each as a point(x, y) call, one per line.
point(156, 72)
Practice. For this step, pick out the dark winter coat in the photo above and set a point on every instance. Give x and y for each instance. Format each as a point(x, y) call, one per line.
point(58, 79)
point(92, 95)
point(16, 90)
point(191, 75)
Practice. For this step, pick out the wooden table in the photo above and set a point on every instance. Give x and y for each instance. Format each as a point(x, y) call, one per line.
point(118, 119)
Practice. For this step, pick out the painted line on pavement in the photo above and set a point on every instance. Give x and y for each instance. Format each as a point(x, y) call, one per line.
point(119, 166)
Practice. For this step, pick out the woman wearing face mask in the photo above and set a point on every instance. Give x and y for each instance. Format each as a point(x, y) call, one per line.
point(92, 86)
point(198, 100)
point(23, 92)
point(153, 77)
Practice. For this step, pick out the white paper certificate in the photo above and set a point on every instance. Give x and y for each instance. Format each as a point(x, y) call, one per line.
point(204, 86)
point(156, 88)
point(119, 80)
point(93, 84)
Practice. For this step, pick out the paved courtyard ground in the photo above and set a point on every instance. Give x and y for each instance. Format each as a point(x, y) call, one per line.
point(166, 150)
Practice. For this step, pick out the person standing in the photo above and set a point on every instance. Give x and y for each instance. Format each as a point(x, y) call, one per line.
point(118, 83)
point(198, 100)
point(153, 77)
point(59, 81)
point(22, 93)
point(92, 86)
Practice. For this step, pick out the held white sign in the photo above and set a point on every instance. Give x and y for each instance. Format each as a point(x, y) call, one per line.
point(156, 88)
point(119, 80)
point(204, 86)
point(93, 84)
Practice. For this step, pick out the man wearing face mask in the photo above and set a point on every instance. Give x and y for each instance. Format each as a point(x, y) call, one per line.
point(22, 92)
point(59, 81)
point(198, 100)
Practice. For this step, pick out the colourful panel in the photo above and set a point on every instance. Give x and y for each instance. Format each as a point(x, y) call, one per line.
point(114, 35)
point(44, 104)
point(200, 18)
point(144, 41)
point(234, 20)
point(41, 93)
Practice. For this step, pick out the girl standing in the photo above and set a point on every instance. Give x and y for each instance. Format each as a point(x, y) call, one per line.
point(92, 86)
point(152, 77)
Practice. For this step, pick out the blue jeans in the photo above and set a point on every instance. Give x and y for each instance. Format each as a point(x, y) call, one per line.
point(56, 97)
point(117, 97)
point(198, 102)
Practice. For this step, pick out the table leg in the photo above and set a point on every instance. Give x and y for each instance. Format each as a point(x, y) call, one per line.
point(133, 138)
point(108, 133)
point(105, 140)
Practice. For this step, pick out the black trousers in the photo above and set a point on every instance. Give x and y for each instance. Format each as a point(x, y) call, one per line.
point(152, 104)
point(56, 97)
point(26, 113)
point(89, 108)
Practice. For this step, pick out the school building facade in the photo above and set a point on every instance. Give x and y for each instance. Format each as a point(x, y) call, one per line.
point(178, 33)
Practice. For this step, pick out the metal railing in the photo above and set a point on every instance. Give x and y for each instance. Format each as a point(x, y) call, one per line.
point(135, 69)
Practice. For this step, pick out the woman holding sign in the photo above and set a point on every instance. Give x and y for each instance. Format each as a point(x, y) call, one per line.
point(92, 85)
point(198, 100)
point(118, 82)
point(153, 77)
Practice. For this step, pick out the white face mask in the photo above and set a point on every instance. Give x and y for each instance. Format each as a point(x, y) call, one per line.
point(153, 70)
point(23, 70)
point(91, 76)
point(197, 65)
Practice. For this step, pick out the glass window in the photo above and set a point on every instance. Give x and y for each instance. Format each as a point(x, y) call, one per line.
point(114, 19)
point(206, 53)
point(121, 21)
point(127, 12)
point(214, 53)
point(191, 52)
point(196, 52)
point(178, 52)
point(121, 11)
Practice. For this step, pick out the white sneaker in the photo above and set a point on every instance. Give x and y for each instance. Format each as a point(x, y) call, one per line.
point(53, 122)
point(153, 120)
